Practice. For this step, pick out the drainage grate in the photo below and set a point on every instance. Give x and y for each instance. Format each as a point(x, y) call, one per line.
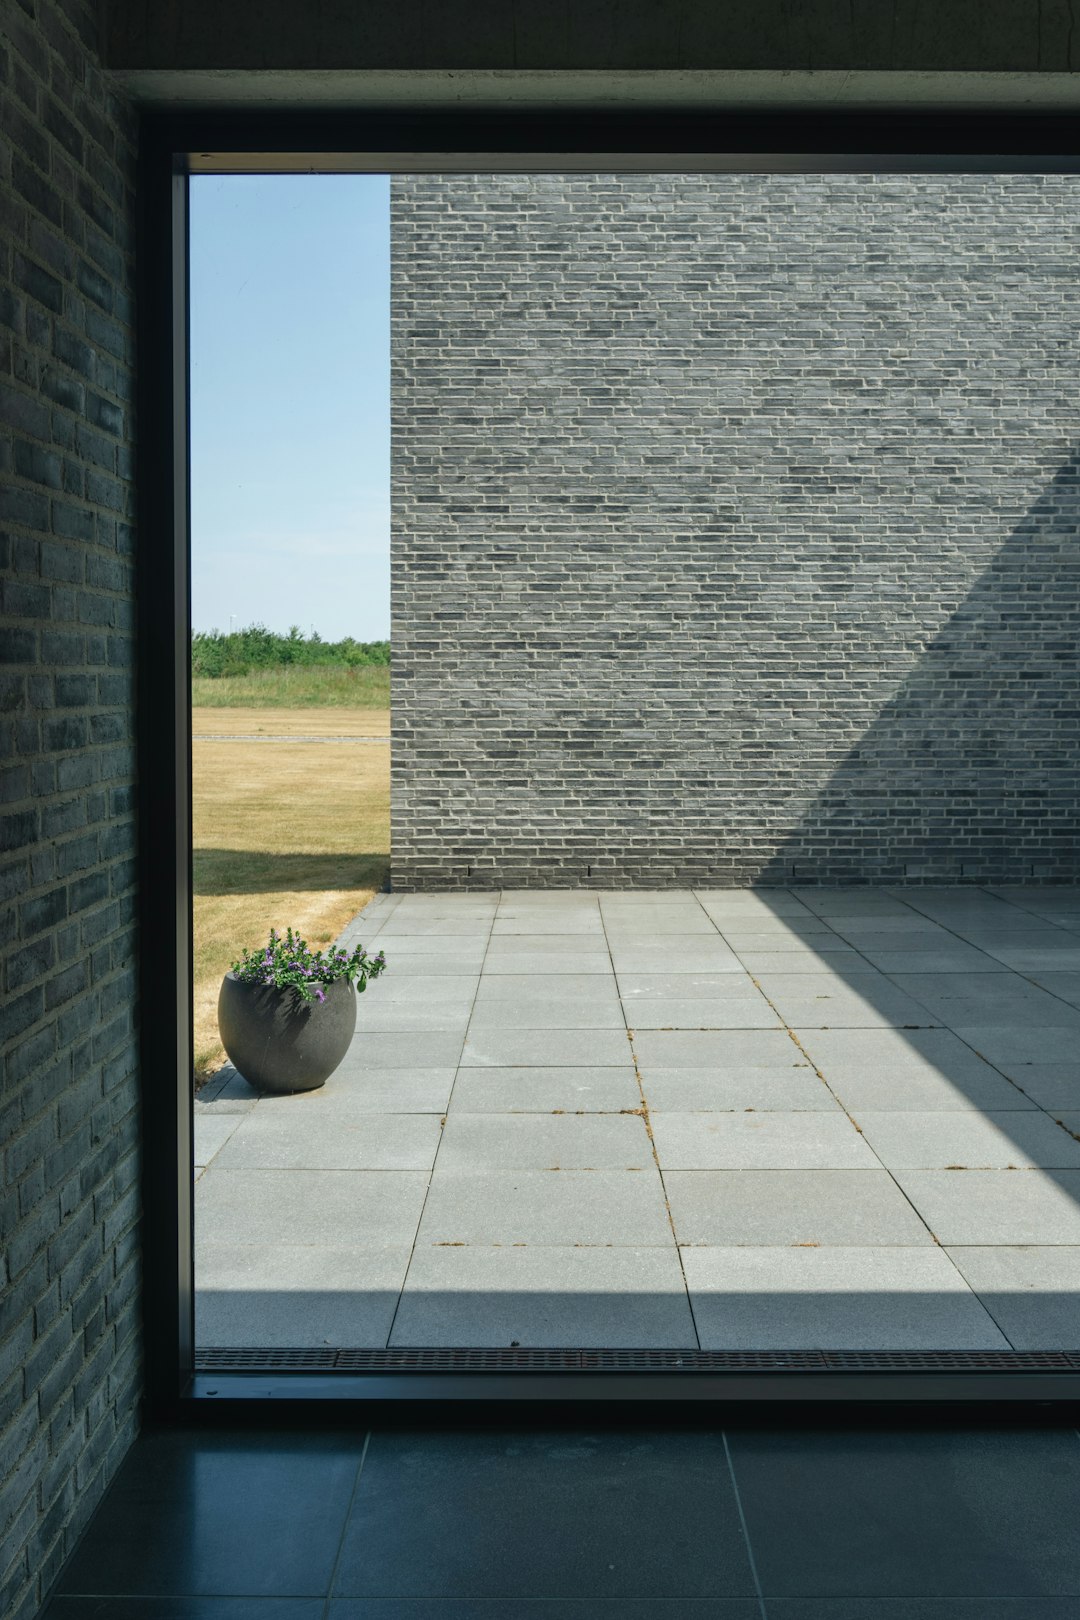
point(249, 1358)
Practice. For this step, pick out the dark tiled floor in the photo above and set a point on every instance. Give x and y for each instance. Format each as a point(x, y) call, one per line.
point(877, 1524)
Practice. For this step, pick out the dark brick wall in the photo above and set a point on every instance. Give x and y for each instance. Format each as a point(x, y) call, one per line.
point(69, 1344)
point(735, 529)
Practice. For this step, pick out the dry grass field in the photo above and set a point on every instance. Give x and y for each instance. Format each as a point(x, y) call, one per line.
point(298, 722)
point(284, 833)
point(366, 686)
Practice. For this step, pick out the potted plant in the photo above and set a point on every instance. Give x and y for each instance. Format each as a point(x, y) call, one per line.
point(287, 1014)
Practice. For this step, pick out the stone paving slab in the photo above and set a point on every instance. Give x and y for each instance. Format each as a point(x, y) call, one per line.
point(758, 1141)
point(614, 1298)
point(1036, 961)
point(540, 964)
point(556, 990)
point(436, 1049)
point(657, 925)
point(276, 1139)
point(403, 1018)
point(634, 987)
point(925, 1069)
point(374, 1209)
point(403, 922)
point(836, 904)
point(744, 1009)
point(960, 959)
point(757, 962)
point(893, 933)
point(618, 899)
point(1036, 936)
point(481, 1142)
point(818, 1058)
point(211, 1132)
point(1031, 1293)
point(542, 1014)
point(1053, 1086)
point(453, 948)
point(597, 1208)
point(1010, 1046)
point(835, 1298)
point(519, 1002)
point(692, 1049)
point(549, 897)
point(578, 1048)
point(546, 1091)
point(751, 902)
point(569, 925)
point(358, 1090)
point(974, 998)
point(783, 1207)
point(450, 989)
point(711, 1090)
point(566, 949)
point(304, 1297)
point(681, 953)
point(422, 964)
point(843, 1000)
point(780, 933)
point(1065, 986)
point(227, 1093)
point(574, 925)
point(981, 1207)
point(967, 1140)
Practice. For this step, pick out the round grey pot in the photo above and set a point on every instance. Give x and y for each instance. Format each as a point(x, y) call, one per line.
point(278, 1041)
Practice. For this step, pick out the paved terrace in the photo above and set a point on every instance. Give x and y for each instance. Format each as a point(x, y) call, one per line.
point(807, 1118)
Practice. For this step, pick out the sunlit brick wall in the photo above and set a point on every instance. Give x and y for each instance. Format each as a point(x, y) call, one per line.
point(735, 529)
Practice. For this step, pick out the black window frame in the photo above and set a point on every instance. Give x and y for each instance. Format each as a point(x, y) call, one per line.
point(173, 147)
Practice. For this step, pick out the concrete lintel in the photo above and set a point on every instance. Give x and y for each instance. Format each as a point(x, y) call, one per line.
point(344, 89)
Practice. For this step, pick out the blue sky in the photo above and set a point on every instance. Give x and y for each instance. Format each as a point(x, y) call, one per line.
point(290, 403)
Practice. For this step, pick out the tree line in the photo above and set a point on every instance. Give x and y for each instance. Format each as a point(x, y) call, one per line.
point(242, 652)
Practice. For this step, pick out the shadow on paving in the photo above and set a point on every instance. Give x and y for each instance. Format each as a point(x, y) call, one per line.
point(568, 1326)
point(1005, 1020)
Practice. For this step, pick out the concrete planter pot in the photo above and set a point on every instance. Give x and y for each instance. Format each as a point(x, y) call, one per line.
point(278, 1041)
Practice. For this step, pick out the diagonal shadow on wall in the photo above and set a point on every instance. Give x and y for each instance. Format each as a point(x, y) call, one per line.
point(984, 732)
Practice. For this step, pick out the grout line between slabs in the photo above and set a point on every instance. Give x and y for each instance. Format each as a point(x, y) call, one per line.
point(647, 1120)
point(345, 1527)
point(745, 1528)
point(442, 1129)
point(918, 1213)
point(1009, 971)
point(793, 1037)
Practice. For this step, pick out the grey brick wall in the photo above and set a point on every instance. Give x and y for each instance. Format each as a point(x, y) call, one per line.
point(735, 529)
point(69, 1343)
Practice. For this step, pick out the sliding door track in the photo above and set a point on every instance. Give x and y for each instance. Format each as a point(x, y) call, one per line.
point(253, 1359)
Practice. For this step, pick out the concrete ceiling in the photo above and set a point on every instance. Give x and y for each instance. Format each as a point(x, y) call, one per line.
point(690, 54)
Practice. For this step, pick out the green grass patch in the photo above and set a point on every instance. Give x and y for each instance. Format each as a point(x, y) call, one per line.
point(296, 686)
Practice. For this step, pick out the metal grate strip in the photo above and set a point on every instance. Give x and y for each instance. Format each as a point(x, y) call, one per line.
point(250, 1358)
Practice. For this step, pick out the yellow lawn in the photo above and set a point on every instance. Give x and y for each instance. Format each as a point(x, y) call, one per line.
point(298, 722)
point(284, 833)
